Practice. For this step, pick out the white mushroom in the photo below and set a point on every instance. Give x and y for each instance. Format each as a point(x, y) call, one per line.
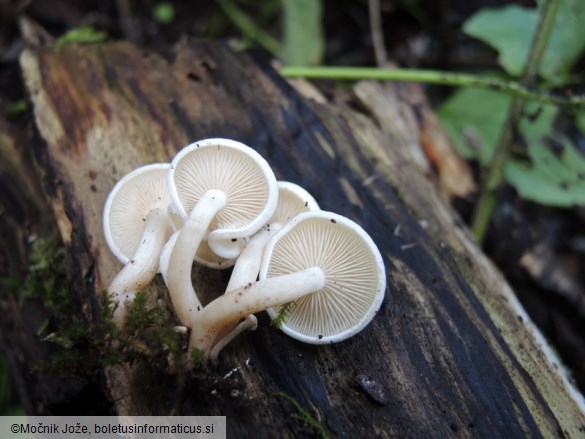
point(326, 264)
point(354, 272)
point(224, 190)
point(136, 226)
point(292, 200)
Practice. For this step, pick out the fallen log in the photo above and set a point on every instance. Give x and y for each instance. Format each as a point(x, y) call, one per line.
point(450, 352)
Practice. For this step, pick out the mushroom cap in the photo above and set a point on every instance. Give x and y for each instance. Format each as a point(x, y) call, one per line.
point(355, 278)
point(235, 169)
point(206, 256)
point(132, 198)
point(292, 200)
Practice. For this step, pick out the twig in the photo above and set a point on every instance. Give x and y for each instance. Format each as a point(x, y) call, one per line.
point(377, 32)
point(495, 171)
point(433, 77)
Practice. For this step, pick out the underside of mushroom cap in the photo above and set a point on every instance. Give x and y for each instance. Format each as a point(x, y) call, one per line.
point(128, 204)
point(354, 271)
point(209, 258)
point(292, 200)
point(233, 168)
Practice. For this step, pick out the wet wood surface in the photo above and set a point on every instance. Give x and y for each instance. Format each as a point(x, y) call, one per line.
point(449, 354)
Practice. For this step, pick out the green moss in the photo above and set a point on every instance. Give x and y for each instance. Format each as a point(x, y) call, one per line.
point(283, 313)
point(81, 348)
point(140, 316)
point(85, 349)
point(149, 334)
point(78, 346)
point(73, 343)
point(69, 363)
point(199, 359)
point(303, 415)
point(108, 326)
point(45, 279)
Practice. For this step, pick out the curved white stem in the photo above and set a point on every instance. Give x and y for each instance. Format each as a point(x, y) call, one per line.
point(142, 266)
point(165, 256)
point(250, 322)
point(121, 307)
point(247, 266)
point(183, 296)
point(245, 271)
point(229, 308)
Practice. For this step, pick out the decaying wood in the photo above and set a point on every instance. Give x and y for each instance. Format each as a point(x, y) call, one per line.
point(25, 218)
point(449, 353)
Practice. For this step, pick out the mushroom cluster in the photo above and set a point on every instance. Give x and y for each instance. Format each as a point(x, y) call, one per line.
point(218, 203)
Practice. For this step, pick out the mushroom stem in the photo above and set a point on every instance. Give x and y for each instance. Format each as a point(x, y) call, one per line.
point(165, 255)
point(142, 266)
point(183, 296)
point(224, 311)
point(245, 271)
point(250, 322)
point(247, 266)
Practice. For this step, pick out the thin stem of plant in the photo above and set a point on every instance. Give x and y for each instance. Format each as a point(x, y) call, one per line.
point(252, 31)
point(432, 77)
point(377, 32)
point(249, 28)
point(496, 169)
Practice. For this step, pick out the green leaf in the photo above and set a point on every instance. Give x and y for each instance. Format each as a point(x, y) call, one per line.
point(82, 35)
point(164, 12)
point(510, 29)
point(303, 34)
point(537, 122)
point(472, 118)
point(567, 41)
point(550, 179)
